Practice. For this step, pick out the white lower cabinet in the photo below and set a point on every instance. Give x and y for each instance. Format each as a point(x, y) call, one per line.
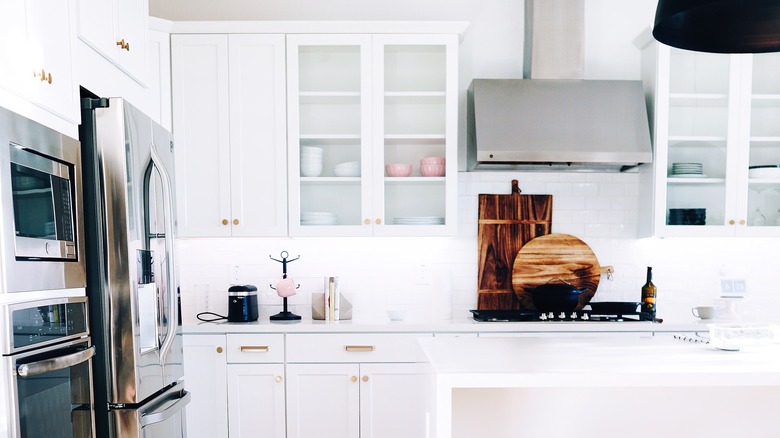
point(205, 377)
point(356, 385)
point(255, 380)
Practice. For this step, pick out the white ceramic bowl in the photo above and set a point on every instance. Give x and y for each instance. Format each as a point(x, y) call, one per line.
point(398, 169)
point(432, 170)
point(396, 314)
point(311, 169)
point(350, 168)
point(764, 172)
point(311, 150)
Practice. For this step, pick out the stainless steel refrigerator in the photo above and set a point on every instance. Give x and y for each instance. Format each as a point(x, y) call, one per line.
point(132, 286)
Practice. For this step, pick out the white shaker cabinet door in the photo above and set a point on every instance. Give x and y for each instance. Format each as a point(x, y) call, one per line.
point(395, 400)
point(256, 400)
point(205, 371)
point(323, 401)
point(201, 127)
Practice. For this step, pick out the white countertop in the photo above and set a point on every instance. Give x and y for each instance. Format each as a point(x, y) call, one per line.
point(458, 325)
point(598, 361)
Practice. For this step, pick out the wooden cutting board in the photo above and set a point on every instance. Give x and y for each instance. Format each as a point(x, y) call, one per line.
point(556, 258)
point(506, 222)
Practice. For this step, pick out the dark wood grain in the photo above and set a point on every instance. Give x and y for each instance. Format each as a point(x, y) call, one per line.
point(556, 258)
point(506, 223)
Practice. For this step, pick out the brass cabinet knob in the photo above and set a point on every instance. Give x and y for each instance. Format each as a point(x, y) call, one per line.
point(731, 222)
point(353, 379)
point(225, 222)
point(219, 350)
point(123, 45)
point(235, 221)
point(278, 379)
point(378, 221)
point(367, 221)
point(365, 378)
point(742, 221)
point(45, 77)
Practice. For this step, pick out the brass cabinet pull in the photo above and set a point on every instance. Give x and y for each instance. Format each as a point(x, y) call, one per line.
point(359, 348)
point(365, 378)
point(219, 350)
point(255, 348)
point(353, 379)
point(235, 221)
point(123, 45)
point(225, 222)
point(278, 379)
point(45, 77)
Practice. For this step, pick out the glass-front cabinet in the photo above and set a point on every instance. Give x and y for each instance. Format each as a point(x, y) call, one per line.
point(716, 134)
point(372, 128)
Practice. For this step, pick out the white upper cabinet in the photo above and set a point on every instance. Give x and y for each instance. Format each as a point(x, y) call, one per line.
point(35, 54)
point(117, 29)
point(357, 103)
point(229, 134)
point(715, 129)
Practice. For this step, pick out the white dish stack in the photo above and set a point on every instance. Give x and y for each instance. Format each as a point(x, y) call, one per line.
point(311, 161)
point(318, 218)
point(350, 168)
point(419, 220)
point(687, 170)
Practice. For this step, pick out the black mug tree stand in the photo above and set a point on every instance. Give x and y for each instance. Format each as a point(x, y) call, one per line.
point(285, 315)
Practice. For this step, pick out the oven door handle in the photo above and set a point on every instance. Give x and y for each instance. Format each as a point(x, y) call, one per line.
point(55, 363)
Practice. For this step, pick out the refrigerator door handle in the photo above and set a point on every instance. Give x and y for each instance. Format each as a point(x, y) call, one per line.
point(182, 399)
point(173, 316)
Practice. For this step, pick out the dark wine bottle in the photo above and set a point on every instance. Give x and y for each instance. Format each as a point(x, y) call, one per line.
point(648, 294)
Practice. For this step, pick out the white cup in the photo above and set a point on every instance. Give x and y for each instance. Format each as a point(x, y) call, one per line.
point(704, 312)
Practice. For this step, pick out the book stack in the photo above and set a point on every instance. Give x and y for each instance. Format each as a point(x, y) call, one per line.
point(332, 298)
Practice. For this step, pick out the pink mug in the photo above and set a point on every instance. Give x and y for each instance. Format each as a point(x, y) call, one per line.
point(285, 287)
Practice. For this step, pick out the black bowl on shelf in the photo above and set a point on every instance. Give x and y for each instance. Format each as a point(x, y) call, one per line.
point(687, 216)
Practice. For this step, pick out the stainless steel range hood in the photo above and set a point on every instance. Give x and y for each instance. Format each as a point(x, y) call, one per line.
point(598, 125)
point(554, 119)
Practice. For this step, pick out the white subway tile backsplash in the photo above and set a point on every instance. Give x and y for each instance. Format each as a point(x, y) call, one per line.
point(600, 208)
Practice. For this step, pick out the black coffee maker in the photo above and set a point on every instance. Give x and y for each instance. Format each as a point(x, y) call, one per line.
point(242, 303)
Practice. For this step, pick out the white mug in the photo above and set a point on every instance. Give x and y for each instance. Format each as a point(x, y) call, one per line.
point(704, 312)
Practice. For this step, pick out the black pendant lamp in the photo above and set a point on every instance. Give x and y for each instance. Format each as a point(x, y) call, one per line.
point(719, 26)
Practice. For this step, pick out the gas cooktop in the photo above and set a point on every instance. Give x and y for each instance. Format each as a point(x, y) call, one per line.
point(577, 316)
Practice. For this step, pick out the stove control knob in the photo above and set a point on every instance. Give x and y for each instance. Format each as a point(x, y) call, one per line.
point(574, 315)
point(543, 317)
point(585, 317)
point(551, 315)
point(562, 315)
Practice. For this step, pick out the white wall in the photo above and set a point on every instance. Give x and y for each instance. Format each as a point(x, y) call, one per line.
point(602, 209)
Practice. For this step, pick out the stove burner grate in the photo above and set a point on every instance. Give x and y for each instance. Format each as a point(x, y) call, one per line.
point(578, 316)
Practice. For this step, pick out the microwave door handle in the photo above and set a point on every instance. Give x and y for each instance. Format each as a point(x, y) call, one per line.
point(54, 364)
point(159, 416)
point(173, 316)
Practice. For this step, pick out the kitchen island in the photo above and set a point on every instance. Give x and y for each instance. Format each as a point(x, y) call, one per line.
point(563, 387)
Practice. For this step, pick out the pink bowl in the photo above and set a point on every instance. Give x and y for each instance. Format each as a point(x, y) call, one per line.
point(398, 169)
point(432, 160)
point(432, 169)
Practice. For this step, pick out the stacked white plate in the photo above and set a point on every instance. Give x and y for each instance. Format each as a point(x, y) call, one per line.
point(318, 218)
point(311, 161)
point(350, 168)
point(687, 169)
point(419, 220)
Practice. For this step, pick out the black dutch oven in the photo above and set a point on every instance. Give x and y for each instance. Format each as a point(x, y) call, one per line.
point(556, 297)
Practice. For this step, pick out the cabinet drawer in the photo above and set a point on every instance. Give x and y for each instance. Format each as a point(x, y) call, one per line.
point(255, 348)
point(355, 347)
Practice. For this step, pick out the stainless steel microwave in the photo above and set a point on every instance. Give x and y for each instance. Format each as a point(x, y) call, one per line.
point(40, 225)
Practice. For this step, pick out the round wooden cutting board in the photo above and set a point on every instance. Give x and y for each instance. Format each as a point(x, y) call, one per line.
point(554, 258)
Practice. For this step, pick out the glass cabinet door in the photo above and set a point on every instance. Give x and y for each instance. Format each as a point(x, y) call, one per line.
point(328, 97)
point(762, 204)
point(415, 167)
point(702, 143)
